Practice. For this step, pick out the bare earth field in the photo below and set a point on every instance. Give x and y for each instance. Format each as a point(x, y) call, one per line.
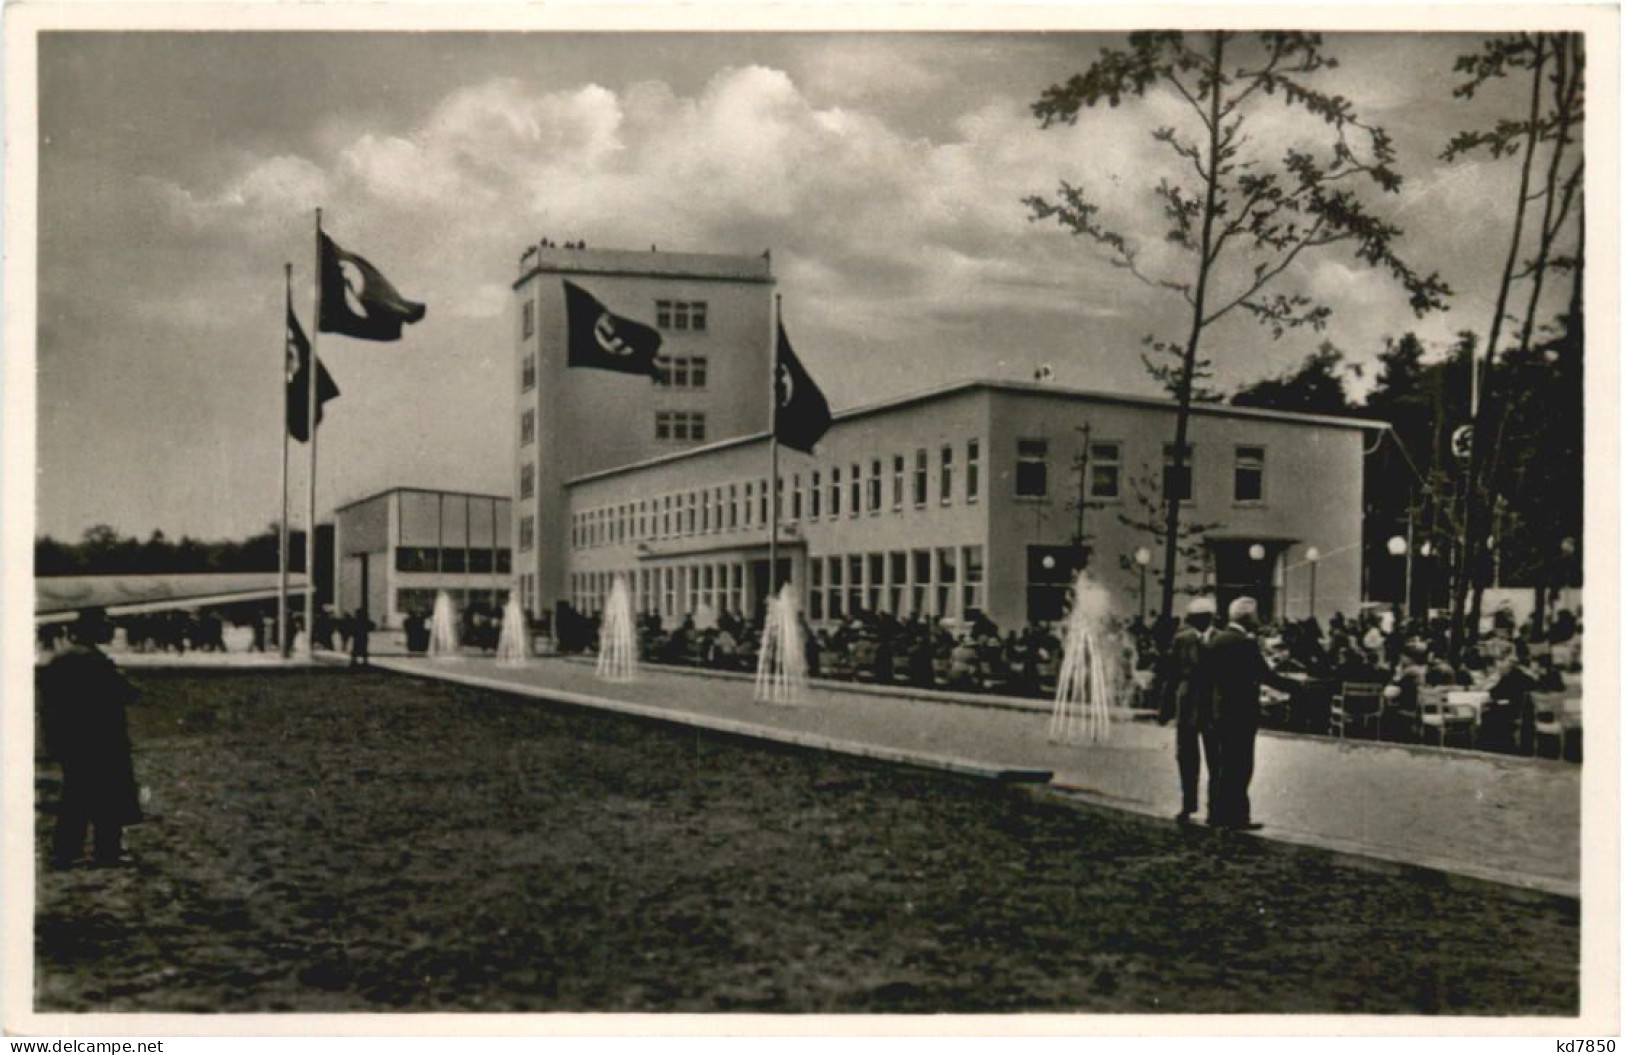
point(322, 841)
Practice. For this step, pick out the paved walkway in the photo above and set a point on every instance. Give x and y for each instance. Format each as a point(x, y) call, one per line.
point(1509, 820)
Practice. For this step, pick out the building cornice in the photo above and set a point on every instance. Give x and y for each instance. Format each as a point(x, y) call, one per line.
point(1019, 388)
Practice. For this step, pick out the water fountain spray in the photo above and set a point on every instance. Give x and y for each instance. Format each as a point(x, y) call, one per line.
point(1084, 693)
point(443, 640)
point(617, 637)
point(781, 669)
point(513, 648)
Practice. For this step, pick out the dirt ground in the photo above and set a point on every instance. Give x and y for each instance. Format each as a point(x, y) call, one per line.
point(322, 841)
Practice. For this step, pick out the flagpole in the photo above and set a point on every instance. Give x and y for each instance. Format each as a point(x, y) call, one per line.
point(310, 428)
point(282, 536)
point(773, 445)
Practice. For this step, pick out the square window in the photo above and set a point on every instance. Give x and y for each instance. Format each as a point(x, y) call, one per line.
point(1177, 486)
point(1105, 470)
point(1032, 468)
point(1249, 474)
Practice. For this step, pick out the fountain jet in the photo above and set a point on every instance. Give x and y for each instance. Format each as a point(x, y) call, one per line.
point(617, 637)
point(781, 668)
point(513, 647)
point(1084, 692)
point(443, 639)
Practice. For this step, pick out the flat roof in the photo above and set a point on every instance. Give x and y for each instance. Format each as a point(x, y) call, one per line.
point(637, 263)
point(419, 490)
point(60, 596)
point(1021, 388)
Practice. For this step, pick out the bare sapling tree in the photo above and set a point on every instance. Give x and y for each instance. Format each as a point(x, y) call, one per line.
point(1248, 203)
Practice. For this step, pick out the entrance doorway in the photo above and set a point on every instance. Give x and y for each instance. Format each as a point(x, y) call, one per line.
point(1239, 573)
point(761, 588)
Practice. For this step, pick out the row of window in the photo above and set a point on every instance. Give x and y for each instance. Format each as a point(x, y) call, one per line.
point(688, 315)
point(824, 493)
point(731, 506)
point(679, 425)
point(671, 371)
point(946, 582)
point(454, 558)
point(670, 592)
point(680, 315)
point(413, 599)
point(1105, 469)
point(680, 371)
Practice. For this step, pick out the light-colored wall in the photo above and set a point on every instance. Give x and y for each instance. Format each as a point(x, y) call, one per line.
point(378, 526)
point(953, 421)
point(587, 420)
point(1312, 496)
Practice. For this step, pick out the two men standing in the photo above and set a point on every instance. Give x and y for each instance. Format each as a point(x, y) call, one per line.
point(1212, 685)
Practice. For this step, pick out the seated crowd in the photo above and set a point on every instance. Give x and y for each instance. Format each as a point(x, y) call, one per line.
point(1407, 660)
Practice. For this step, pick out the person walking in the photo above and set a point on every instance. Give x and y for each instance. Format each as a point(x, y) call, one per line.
point(1236, 669)
point(83, 700)
point(360, 636)
point(1187, 700)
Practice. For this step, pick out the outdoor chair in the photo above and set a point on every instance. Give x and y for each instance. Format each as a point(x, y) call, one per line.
point(1049, 674)
point(1357, 710)
point(1550, 728)
point(1444, 722)
point(863, 660)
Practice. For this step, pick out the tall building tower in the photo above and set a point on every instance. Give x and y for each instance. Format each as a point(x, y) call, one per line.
point(713, 313)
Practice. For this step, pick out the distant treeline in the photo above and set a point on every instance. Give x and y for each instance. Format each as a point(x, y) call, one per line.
point(103, 551)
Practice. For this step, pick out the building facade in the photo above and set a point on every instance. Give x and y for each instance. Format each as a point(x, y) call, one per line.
point(397, 549)
point(965, 500)
point(713, 314)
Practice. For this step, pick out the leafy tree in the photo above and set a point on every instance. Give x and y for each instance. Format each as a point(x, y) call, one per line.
point(1240, 214)
point(103, 551)
point(1554, 66)
point(1315, 387)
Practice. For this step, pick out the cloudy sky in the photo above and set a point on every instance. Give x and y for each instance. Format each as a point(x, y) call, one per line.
point(179, 171)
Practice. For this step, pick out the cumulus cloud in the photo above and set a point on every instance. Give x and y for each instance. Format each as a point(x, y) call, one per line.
point(897, 241)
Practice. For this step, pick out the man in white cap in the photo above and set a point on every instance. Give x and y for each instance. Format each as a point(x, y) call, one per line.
point(1236, 669)
point(1187, 698)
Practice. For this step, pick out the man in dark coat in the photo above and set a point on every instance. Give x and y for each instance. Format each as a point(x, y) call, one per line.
point(83, 697)
point(1236, 669)
point(360, 636)
point(1187, 699)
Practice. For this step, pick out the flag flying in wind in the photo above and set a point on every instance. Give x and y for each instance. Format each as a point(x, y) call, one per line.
point(802, 416)
point(298, 375)
point(358, 301)
point(603, 340)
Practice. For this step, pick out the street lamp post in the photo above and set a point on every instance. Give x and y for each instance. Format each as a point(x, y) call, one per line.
point(1142, 557)
point(1256, 553)
point(1398, 546)
point(1312, 554)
